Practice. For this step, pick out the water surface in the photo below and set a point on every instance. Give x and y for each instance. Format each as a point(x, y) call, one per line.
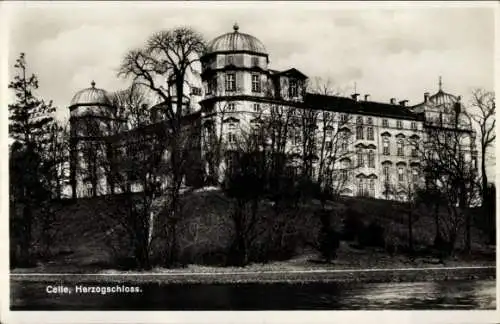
point(451, 295)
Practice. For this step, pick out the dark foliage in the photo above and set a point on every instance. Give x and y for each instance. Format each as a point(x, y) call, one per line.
point(373, 235)
point(353, 226)
point(329, 238)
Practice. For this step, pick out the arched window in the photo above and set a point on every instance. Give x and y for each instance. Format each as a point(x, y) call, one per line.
point(415, 175)
point(414, 149)
point(400, 147)
point(401, 174)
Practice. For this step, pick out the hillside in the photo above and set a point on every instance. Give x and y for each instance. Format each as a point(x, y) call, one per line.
point(88, 235)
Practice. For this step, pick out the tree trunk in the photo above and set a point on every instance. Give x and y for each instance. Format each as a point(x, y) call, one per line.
point(26, 236)
point(484, 177)
point(410, 232)
point(438, 239)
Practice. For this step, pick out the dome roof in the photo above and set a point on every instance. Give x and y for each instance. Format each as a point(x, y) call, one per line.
point(236, 41)
point(90, 96)
point(443, 98)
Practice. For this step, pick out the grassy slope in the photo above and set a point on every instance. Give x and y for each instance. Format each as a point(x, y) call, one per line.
point(83, 243)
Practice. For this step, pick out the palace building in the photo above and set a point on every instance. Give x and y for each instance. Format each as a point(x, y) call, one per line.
point(374, 146)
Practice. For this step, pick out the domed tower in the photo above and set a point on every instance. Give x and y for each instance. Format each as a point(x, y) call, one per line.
point(236, 80)
point(235, 64)
point(91, 121)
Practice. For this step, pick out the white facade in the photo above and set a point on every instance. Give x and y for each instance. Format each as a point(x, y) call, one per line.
point(234, 88)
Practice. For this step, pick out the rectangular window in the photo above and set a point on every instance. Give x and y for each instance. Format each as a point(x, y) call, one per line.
point(328, 145)
point(212, 86)
point(370, 134)
point(344, 175)
point(230, 82)
point(385, 123)
point(256, 107)
point(371, 159)
point(231, 107)
point(386, 173)
point(293, 90)
point(195, 91)
point(400, 148)
point(413, 125)
point(400, 174)
point(415, 176)
point(231, 137)
point(344, 145)
point(414, 151)
point(360, 187)
point(359, 132)
point(386, 146)
point(399, 124)
point(360, 159)
point(343, 118)
point(256, 83)
point(372, 187)
point(297, 138)
point(229, 60)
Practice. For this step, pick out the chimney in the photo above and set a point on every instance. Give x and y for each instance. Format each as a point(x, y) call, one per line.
point(403, 102)
point(366, 97)
point(393, 101)
point(426, 97)
point(355, 96)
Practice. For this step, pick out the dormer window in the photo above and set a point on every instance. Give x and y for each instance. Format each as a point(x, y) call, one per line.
point(293, 89)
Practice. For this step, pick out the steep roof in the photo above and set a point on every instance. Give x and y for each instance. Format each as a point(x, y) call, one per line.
point(348, 105)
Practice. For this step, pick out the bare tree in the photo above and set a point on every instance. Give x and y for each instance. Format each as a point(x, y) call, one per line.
point(483, 116)
point(213, 137)
point(451, 177)
point(246, 184)
point(168, 56)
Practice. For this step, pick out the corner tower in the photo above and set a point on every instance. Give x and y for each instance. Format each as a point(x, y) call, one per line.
point(91, 121)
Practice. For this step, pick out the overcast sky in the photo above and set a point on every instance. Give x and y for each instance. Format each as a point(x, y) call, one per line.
point(391, 51)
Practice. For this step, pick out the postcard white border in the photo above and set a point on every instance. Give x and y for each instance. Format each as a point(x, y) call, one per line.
point(201, 316)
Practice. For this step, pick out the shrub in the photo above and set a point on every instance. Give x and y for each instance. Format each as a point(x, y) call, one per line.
point(329, 242)
point(353, 226)
point(373, 235)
